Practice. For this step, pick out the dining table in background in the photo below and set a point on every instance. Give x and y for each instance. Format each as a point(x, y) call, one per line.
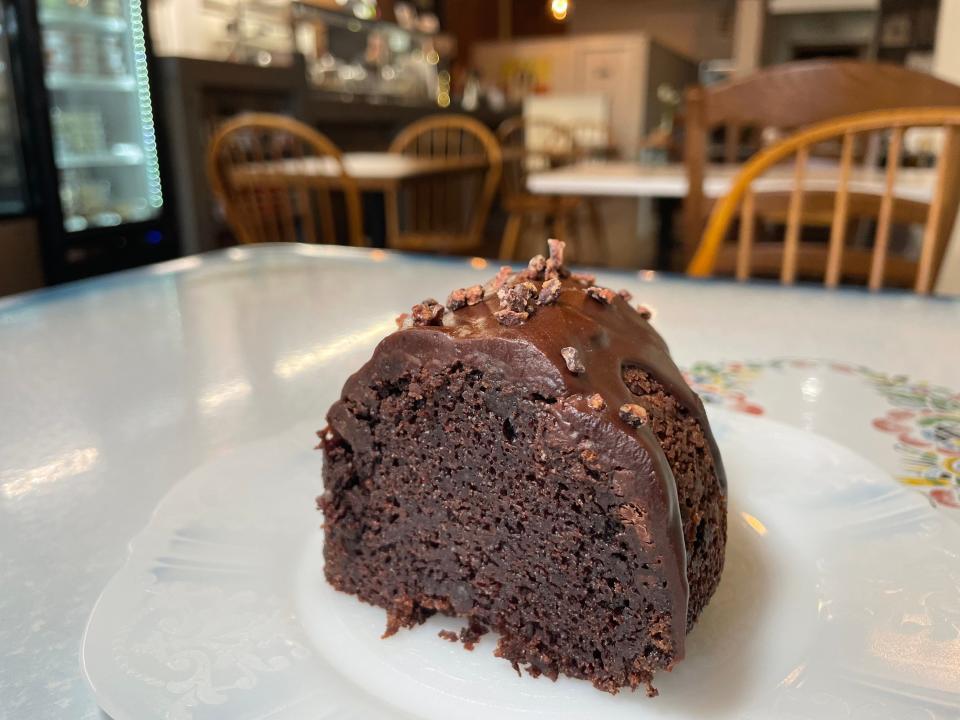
point(115, 389)
point(375, 174)
point(668, 183)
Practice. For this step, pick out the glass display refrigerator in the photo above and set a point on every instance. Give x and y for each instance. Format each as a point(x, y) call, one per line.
point(13, 187)
point(81, 72)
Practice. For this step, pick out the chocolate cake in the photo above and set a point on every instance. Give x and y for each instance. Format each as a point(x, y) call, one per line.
point(528, 458)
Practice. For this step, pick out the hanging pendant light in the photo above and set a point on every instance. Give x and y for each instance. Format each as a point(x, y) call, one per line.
point(559, 9)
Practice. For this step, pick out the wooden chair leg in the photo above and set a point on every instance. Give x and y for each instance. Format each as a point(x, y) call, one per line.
point(598, 229)
point(511, 234)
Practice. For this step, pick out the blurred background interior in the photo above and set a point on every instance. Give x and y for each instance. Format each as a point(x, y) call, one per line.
point(133, 133)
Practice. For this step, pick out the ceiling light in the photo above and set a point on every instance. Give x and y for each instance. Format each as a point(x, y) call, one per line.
point(559, 9)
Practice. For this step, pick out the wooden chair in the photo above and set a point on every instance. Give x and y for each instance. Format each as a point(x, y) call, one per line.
point(531, 145)
point(445, 210)
point(778, 100)
point(836, 257)
point(277, 180)
point(594, 141)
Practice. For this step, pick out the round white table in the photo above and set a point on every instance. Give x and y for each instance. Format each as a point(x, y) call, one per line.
point(634, 179)
point(113, 389)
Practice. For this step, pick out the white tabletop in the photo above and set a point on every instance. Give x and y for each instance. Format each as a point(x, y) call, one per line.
point(365, 167)
point(670, 180)
point(114, 389)
point(386, 165)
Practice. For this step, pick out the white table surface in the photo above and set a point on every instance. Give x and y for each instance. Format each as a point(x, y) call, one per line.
point(362, 166)
point(670, 181)
point(114, 389)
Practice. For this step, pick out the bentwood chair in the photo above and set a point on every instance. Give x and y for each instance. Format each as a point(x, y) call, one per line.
point(531, 145)
point(279, 180)
point(446, 208)
point(594, 141)
point(853, 193)
point(745, 114)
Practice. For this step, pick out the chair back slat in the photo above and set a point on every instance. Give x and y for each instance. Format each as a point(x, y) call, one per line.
point(731, 142)
point(248, 224)
point(745, 242)
point(444, 210)
point(838, 226)
point(284, 197)
point(267, 196)
point(307, 212)
point(935, 218)
point(885, 219)
point(275, 178)
point(849, 197)
point(791, 244)
point(785, 97)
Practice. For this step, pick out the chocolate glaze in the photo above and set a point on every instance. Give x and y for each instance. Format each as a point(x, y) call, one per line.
point(607, 337)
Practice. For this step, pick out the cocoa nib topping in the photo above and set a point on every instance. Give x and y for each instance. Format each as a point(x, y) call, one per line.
point(401, 319)
point(645, 312)
point(510, 317)
point(596, 402)
point(517, 297)
point(517, 302)
point(449, 635)
point(583, 278)
point(503, 274)
point(601, 295)
point(555, 270)
point(465, 296)
point(572, 358)
point(625, 294)
point(549, 291)
point(535, 268)
point(633, 414)
point(429, 312)
point(556, 248)
point(554, 267)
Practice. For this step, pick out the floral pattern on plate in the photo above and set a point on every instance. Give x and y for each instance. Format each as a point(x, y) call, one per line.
point(923, 420)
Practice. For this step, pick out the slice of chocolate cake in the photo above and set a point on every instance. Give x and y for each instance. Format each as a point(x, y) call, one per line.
point(529, 459)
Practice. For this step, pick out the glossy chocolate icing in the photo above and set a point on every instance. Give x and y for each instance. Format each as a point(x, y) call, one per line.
point(606, 337)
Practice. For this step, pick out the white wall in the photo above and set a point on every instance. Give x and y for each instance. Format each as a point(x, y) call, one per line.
point(699, 29)
point(194, 28)
point(183, 28)
point(748, 32)
point(567, 64)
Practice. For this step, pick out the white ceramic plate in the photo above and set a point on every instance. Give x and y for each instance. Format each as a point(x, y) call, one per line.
point(840, 599)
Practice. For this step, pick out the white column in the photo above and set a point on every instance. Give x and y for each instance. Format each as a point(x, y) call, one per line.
point(946, 64)
point(748, 36)
point(178, 27)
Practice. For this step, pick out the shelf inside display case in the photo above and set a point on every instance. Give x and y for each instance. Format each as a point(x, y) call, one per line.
point(12, 186)
point(304, 8)
point(69, 81)
point(51, 17)
point(133, 156)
